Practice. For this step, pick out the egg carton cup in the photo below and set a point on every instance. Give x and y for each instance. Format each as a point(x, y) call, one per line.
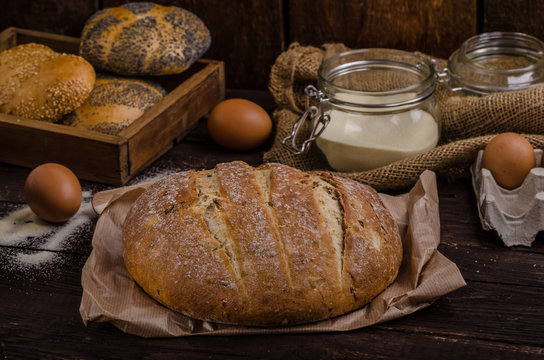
point(517, 215)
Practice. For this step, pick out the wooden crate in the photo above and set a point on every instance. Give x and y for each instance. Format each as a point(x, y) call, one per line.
point(110, 159)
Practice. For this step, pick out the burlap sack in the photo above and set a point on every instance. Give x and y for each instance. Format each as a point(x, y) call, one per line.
point(468, 122)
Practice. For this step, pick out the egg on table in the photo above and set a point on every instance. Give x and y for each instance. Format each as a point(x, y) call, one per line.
point(509, 157)
point(53, 192)
point(239, 124)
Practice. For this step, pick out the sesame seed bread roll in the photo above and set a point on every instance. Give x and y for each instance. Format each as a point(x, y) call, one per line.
point(115, 103)
point(39, 83)
point(266, 247)
point(143, 38)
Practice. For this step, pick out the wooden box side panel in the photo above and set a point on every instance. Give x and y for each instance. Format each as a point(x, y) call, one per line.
point(14, 36)
point(179, 112)
point(89, 158)
point(25, 142)
point(110, 159)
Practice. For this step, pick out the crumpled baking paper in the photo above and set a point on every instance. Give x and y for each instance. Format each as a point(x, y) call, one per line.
point(111, 295)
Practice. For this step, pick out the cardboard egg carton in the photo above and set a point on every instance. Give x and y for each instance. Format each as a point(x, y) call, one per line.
point(517, 215)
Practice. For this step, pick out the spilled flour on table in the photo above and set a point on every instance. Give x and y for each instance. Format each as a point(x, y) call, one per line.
point(44, 242)
point(22, 226)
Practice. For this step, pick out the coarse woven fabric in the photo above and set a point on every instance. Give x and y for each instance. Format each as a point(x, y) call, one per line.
point(468, 122)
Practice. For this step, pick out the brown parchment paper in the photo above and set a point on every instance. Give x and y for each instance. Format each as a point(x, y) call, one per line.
point(111, 295)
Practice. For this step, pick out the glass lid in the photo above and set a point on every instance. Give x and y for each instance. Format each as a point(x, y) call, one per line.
point(498, 61)
point(377, 76)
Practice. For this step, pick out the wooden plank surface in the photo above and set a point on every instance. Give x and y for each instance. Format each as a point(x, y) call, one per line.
point(498, 315)
point(247, 35)
point(55, 16)
point(40, 142)
point(59, 43)
point(513, 15)
point(435, 27)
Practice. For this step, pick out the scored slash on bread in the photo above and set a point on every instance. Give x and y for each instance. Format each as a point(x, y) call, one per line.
point(267, 246)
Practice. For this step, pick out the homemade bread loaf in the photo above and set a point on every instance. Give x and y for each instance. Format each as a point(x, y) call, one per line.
point(143, 39)
point(39, 83)
point(267, 246)
point(115, 103)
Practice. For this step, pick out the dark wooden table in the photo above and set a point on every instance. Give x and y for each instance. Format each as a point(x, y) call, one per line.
point(498, 315)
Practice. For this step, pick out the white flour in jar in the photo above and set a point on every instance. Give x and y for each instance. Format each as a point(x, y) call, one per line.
point(358, 142)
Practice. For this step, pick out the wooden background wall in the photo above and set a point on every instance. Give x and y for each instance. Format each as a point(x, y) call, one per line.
point(249, 34)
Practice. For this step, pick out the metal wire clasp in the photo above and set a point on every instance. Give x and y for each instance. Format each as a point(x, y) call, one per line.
point(315, 114)
point(443, 77)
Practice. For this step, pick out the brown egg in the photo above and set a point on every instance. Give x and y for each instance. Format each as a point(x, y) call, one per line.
point(510, 157)
point(53, 192)
point(239, 124)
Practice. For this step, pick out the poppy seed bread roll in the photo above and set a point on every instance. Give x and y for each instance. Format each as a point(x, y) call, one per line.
point(267, 246)
point(143, 39)
point(39, 83)
point(115, 103)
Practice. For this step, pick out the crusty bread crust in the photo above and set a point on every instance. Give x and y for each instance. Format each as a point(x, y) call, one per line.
point(268, 246)
point(39, 83)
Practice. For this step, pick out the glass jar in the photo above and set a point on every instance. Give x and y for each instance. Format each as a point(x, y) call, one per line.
point(373, 107)
point(495, 62)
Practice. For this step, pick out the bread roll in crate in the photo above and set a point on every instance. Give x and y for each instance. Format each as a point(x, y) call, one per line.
point(39, 83)
point(110, 158)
